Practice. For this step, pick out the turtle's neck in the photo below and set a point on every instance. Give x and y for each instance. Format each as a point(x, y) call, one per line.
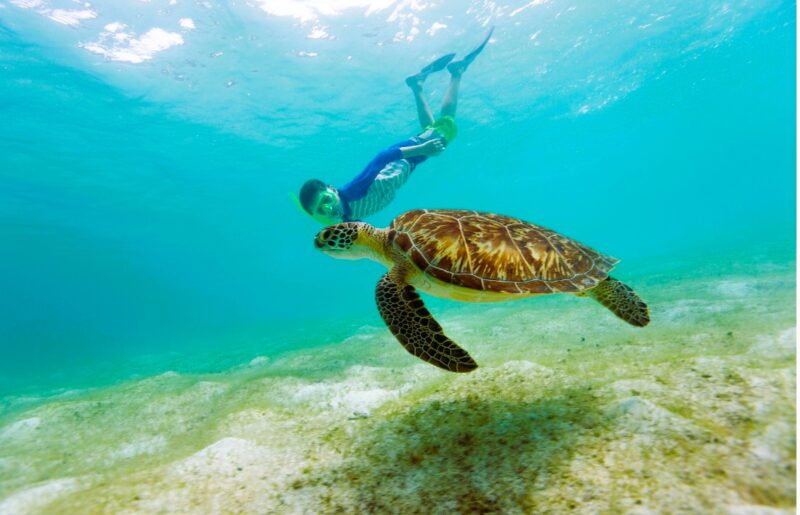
point(374, 243)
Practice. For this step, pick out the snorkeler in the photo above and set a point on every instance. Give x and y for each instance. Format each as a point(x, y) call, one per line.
point(375, 187)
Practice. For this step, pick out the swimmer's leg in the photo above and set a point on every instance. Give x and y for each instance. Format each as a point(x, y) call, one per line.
point(451, 97)
point(423, 109)
point(415, 83)
point(456, 69)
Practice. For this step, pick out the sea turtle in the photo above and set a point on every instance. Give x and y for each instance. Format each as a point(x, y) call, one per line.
point(473, 257)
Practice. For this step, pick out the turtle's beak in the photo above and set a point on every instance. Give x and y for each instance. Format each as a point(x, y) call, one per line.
point(318, 242)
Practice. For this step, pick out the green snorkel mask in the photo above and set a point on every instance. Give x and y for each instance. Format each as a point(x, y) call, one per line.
point(329, 218)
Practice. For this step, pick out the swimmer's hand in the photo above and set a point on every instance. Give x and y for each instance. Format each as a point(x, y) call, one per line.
point(433, 147)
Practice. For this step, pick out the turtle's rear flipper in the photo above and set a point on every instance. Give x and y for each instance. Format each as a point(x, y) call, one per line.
point(412, 324)
point(622, 301)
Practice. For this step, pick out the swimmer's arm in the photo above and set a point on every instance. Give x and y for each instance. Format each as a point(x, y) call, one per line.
point(433, 147)
point(357, 188)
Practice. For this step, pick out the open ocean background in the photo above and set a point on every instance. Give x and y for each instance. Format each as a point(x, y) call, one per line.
point(148, 149)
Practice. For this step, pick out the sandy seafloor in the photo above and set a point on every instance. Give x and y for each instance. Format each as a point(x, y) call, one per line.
point(570, 411)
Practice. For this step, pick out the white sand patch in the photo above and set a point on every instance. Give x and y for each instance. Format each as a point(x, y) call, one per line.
point(644, 417)
point(775, 443)
point(223, 458)
point(21, 428)
point(202, 391)
point(700, 338)
point(733, 288)
point(628, 387)
point(309, 393)
point(258, 361)
point(35, 499)
point(711, 364)
point(344, 397)
point(179, 407)
point(206, 390)
point(144, 446)
point(687, 310)
point(779, 384)
point(363, 401)
point(232, 475)
point(216, 479)
point(524, 367)
point(366, 373)
point(779, 346)
point(753, 509)
point(363, 390)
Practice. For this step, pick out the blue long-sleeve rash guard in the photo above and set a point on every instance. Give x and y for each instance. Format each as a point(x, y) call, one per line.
point(357, 188)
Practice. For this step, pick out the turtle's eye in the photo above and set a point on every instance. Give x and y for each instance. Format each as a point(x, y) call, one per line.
point(326, 234)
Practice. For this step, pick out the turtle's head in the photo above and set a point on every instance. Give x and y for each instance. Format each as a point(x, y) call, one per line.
point(349, 240)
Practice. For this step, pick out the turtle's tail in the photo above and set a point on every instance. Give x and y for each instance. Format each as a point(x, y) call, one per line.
point(622, 301)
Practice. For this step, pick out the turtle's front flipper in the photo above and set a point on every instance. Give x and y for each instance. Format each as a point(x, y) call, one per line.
point(622, 301)
point(412, 324)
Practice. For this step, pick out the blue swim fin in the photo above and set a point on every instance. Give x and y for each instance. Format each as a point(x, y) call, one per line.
point(461, 65)
point(437, 65)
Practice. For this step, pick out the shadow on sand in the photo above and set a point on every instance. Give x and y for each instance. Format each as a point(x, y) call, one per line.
point(469, 455)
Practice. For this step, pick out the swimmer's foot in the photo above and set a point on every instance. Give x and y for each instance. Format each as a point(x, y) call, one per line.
point(416, 80)
point(456, 68)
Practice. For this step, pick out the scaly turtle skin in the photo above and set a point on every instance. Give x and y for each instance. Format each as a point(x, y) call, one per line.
point(472, 257)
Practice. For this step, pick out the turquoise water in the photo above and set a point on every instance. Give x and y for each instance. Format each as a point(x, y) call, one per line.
point(153, 263)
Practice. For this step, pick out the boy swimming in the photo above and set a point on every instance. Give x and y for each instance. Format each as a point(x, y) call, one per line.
point(375, 187)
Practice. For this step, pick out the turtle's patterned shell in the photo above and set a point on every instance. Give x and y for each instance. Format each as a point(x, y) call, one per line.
point(489, 252)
